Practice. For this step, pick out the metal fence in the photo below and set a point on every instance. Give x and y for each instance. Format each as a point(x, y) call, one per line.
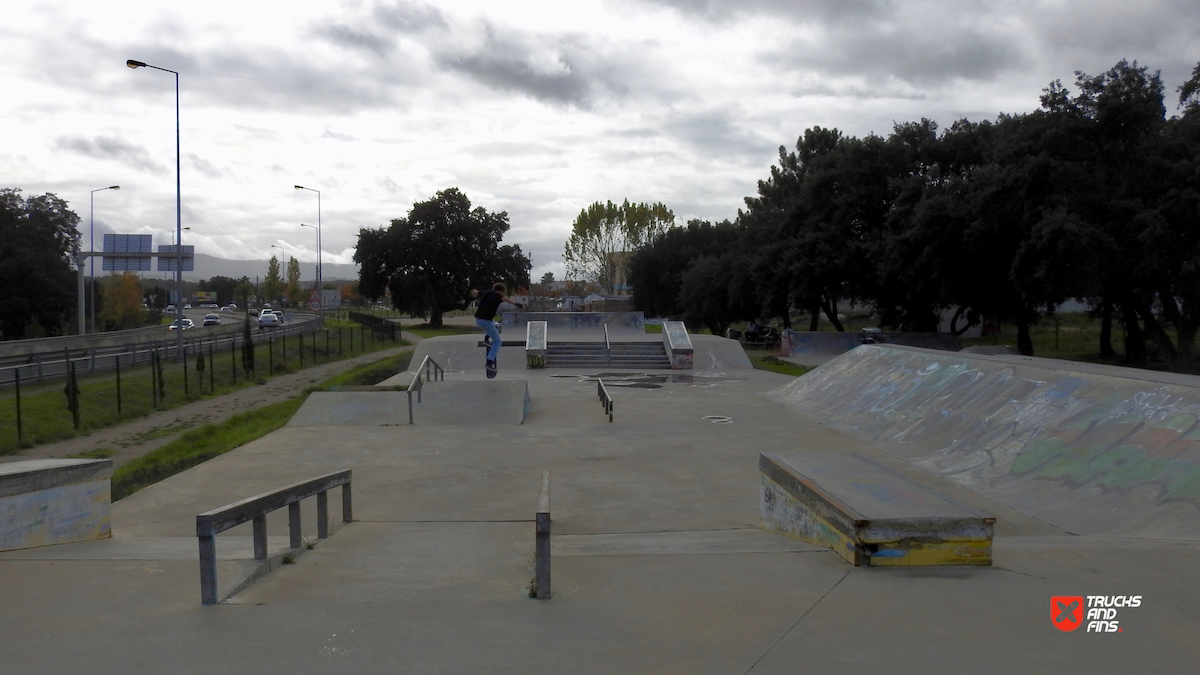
point(103, 386)
point(49, 367)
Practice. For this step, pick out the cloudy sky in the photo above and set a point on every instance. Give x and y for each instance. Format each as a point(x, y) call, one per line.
point(534, 108)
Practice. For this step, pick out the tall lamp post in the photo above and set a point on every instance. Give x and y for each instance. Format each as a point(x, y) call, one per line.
point(285, 271)
point(178, 214)
point(320, 294)
point(92, 246)
point(320, 289)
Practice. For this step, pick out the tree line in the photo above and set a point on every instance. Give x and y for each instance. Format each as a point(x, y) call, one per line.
point(1095, 197)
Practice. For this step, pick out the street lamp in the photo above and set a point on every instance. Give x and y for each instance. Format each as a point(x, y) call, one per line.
point(285, 269)
point(92, 246)
point(320, 289)
point(321, 312)
point(178, 213)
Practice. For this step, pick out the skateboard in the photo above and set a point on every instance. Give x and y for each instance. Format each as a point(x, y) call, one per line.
point(491, 369)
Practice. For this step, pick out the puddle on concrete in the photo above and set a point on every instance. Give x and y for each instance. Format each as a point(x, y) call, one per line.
point(653, 380)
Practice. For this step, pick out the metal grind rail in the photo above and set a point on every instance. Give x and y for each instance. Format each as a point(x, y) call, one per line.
point(210, 523)
point(607, 346)
point(428, 370)
point(606, 398)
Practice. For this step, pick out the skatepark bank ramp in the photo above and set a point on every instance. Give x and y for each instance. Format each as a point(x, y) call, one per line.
point(1084, 448)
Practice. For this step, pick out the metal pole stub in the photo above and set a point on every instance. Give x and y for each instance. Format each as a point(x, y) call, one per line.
point(542, 541)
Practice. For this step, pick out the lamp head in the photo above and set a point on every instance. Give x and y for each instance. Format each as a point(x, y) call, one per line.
point(135, 64)
point(115, 187)
point(299, 187)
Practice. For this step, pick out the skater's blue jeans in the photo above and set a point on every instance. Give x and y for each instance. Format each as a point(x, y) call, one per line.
point(489, 327)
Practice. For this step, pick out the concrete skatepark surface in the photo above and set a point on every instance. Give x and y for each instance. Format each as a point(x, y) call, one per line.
point(659, 562)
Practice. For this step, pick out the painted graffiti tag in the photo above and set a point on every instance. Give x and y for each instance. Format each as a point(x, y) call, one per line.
point(1153, 405)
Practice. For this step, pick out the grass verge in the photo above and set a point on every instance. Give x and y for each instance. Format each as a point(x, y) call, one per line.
point(776, 365)
point(212, 440)
point(424, 330)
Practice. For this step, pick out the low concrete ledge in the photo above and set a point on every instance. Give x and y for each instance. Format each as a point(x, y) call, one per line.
point(54, 501)
point(868, 514)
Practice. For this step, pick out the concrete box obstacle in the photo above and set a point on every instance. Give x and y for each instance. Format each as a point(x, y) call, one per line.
point(868, 514)
point(54, 501)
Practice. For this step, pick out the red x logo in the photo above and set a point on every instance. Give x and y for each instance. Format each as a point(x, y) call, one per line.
point(1066, 612)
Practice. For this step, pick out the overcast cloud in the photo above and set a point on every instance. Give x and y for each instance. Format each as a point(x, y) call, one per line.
point(534, 108)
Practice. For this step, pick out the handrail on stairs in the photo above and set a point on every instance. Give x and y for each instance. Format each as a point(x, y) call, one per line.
point(607, 346)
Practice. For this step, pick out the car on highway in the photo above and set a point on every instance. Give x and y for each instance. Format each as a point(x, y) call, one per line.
point(252, 312)
point(212, 319)
point(267, 318)
point(186, 323)
point(187, 306)
point(170, 309)
point(226, 309)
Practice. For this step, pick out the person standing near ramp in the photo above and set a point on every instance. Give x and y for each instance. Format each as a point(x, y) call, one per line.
point(489, 302)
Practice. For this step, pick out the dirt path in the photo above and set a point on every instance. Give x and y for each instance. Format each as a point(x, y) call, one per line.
point(140, 436)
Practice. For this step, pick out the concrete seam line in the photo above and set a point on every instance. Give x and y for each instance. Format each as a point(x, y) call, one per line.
point(793, 627)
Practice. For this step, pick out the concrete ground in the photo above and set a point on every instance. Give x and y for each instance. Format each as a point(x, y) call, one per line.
point(659, 564)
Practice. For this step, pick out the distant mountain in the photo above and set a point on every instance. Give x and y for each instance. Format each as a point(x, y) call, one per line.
point(208, 266)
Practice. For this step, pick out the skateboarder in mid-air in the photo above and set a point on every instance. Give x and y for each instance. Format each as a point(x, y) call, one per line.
point(489, 302)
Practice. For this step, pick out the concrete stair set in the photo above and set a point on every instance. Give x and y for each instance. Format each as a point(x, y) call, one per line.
point(646, 355)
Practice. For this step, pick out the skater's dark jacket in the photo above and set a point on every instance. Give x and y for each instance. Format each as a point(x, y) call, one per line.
point(489, 302)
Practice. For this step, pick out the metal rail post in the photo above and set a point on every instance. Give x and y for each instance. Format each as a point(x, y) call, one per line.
point(542, 541)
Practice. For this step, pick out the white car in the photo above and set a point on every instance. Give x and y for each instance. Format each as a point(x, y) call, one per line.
point(268, 318)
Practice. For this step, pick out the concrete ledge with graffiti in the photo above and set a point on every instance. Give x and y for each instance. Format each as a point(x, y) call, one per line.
point(868, 514)
point(535, 344)
point(678, 345)
point(54, 501)
point(1082, 447)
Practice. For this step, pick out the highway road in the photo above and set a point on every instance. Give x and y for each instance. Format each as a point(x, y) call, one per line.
point(44, 359)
